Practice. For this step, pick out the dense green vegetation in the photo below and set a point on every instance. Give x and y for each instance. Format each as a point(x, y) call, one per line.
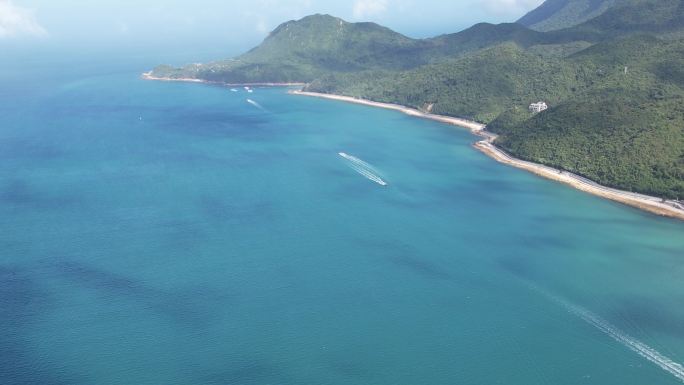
point(609, 18)
point(478, 86)
point(301, 51)
point(315, 46)
point(614, 79)
point(622, 129)
point(559, 14)
point(661, 17)
point(629, 141)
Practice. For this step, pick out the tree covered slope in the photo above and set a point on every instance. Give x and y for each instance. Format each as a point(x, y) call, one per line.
point(559, 14)
point(318, 45)
point(659, 17)
point(621, 129)
point(300, 51)
point(479, 86)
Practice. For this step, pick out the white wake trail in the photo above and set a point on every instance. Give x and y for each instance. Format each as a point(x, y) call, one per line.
point(356, 161)
point(255, 104)
point(363, 168)
point(645, 351)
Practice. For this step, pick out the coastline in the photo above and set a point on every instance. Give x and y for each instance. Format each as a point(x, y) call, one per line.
point(648, 203)
point(148, 76)
point(473, 126)
point(654, 205)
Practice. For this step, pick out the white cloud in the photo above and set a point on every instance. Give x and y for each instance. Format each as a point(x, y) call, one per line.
point(16, 20)
point(510, 7)
point(262, 27)
point(366, 8)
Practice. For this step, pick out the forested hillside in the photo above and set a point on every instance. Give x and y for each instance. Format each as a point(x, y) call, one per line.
point(623, 129)
point(560, 14)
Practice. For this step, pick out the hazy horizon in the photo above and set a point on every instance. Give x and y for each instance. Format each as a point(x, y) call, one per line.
point(228, 27)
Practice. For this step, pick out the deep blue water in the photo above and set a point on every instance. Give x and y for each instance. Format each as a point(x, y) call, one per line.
point(167, 233)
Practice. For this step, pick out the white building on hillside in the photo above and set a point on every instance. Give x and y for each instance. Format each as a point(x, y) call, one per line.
point(538, 107)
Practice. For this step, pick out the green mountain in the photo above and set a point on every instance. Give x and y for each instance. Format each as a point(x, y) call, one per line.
point(608, 18)
point(479, 86)
point(486, 35)
point(559, 14)
point(610, 70)
point(661, 17)
point(304, 50)
point(300, 51)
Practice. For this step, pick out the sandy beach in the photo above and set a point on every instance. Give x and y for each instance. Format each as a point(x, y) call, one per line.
point(648, 203)
point(473, 126)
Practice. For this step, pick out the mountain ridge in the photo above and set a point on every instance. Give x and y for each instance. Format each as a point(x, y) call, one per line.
point(559, 14)
point(303, 50)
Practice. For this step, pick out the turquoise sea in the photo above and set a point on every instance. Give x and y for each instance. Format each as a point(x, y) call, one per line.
point(176, 234)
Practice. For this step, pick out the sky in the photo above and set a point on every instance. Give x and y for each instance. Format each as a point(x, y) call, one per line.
point(231, 25)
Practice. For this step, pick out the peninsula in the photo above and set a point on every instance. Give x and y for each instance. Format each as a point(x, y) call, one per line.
point(613, 82)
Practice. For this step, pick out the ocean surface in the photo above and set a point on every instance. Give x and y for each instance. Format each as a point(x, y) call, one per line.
point(178, 234)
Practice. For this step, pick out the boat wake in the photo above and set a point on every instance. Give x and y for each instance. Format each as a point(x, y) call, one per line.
point(255, 104)
point(638, 347)
point(363, 168)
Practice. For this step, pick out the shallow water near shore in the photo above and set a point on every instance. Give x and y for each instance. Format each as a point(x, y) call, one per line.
point(170, 233)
